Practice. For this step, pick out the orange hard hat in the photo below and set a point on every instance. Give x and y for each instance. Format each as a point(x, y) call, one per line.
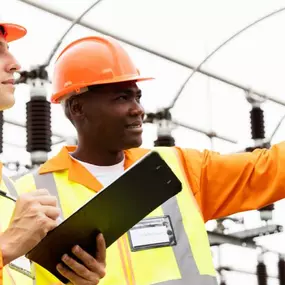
point(91, 61)
point(13, 32)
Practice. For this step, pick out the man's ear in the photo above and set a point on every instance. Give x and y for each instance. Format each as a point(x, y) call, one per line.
point(75, 108)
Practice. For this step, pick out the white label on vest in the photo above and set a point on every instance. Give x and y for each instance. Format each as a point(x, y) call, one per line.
point(151, 233)
point(23, 265)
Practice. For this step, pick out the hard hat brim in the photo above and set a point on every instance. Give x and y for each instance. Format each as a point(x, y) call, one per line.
point(13, 31)
point(55, 98)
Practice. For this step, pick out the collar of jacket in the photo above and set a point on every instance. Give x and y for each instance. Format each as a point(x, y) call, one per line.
point(77, 172)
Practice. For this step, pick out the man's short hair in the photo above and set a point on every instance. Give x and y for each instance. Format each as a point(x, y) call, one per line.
point(66, 99)
point(64, 104)
point(2, 30)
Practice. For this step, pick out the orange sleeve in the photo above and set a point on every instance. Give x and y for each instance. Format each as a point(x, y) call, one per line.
point(228, 184)
point(1, 269)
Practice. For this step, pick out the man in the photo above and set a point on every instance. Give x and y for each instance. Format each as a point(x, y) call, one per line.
point(35, 213)
point(95, 81)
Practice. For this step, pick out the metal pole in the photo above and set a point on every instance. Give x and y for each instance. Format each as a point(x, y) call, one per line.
point(54, 50)
point(245, 271)
point(147, 49)
point(207, 133)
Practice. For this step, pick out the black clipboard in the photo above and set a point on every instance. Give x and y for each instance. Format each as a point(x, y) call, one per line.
point(113, 211)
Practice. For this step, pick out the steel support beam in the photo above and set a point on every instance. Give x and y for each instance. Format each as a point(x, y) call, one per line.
point(243, 238)
point(258, 232)
point(219, 239)
point(93, 27)
point(243, 271)
point(207, 133)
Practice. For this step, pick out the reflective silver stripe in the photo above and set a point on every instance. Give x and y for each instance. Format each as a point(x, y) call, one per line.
point(182, 251)
point(47, 181)
point(10, 186)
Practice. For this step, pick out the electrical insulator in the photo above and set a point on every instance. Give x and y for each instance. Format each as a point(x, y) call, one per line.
point(257, 123)
point(266, 213)
point(162, 120)
point(164, 130)
point(164, 141)
point(258, 135)
point(38, 128)
point(261, 273)
point(281, 271)
point(38, 116)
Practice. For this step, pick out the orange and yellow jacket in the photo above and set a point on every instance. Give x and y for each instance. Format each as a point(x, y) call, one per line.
point(214, 186)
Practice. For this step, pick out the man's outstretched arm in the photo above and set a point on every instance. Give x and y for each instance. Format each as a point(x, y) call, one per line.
point(228, 184)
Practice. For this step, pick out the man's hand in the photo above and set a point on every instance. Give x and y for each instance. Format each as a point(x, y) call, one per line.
point(34, 216)
point(93, 269)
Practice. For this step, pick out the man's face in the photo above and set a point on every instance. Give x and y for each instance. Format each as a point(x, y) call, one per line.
point(115, 116)
point(8, 65)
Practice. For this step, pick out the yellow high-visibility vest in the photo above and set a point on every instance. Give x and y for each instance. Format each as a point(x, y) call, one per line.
point(187, 261)
point(17, 272)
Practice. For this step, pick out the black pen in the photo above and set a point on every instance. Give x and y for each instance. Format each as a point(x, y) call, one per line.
point(8, 196)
